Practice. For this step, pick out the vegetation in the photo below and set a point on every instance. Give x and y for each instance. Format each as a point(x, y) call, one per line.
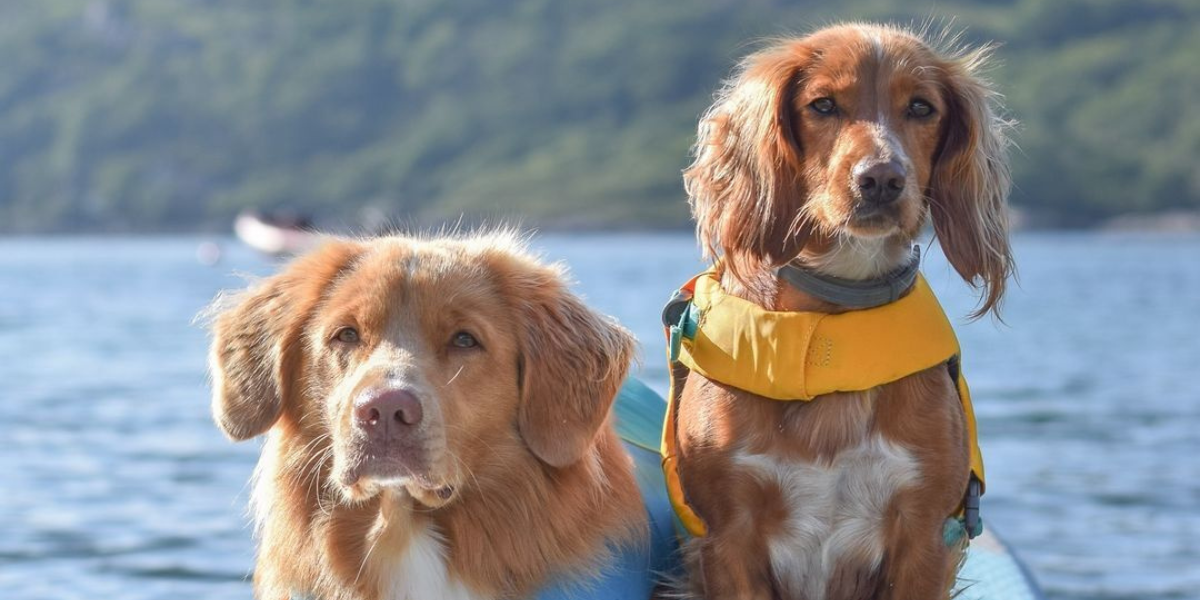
point(153, 115)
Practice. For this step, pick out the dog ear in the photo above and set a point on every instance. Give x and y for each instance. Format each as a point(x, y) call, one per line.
point(572, 363)
point(971, 180)
point(745, 186)
point(254, 361)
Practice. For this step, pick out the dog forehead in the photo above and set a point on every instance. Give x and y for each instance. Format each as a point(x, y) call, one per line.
point(870, 70)
point(433, 268)
point(400, 275)
point(847, 55)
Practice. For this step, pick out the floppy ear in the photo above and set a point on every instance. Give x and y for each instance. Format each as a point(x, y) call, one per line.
point(572, 364)
point(256, 350)
point(744, 185)
point(971, 180)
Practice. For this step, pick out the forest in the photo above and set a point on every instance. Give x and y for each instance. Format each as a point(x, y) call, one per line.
point(153, 115)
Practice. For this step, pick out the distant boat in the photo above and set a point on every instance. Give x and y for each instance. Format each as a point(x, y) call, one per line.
point(275, 234)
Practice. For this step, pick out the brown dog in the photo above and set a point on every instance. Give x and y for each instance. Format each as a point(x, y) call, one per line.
point(831, 151)
point(438, 423)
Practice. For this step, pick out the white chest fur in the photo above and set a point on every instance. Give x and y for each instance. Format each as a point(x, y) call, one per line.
point(836, 510)
point(420, 573)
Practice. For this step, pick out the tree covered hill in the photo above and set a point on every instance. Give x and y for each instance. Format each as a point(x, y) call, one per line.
point(153, 114)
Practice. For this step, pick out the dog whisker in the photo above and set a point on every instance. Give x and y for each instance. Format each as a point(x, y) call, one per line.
point(367, 556)
point(456, 374)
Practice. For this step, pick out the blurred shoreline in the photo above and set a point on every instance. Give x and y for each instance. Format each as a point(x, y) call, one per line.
point(141, 115)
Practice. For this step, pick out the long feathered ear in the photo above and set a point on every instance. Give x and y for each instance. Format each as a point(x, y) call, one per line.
point(572, 363)
point(971, 180)
point(254, 361)
point(744, 185)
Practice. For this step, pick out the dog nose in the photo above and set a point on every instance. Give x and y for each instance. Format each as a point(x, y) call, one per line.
point(389, 411)
point(879, 182)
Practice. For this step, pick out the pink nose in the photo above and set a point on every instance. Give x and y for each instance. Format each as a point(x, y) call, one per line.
point(389, 411)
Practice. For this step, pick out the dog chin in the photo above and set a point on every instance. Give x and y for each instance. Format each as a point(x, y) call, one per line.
point(433, 495)
point(366, 480)
point(894, 220)
point(872, 227)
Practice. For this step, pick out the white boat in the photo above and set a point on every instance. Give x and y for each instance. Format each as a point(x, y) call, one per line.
point(275, 235)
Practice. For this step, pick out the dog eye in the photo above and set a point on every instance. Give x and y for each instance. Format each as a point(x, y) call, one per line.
point(824, 106)
point(463, 339)
point(919, 109)
point(347, 335)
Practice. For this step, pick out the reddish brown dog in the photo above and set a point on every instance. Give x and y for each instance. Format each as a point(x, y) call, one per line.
point(438, 421)
point(832, 150)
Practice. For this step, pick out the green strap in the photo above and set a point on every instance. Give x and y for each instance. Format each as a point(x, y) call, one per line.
point(689, 321)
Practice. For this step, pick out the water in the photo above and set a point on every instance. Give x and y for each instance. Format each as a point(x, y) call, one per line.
point(115, 484)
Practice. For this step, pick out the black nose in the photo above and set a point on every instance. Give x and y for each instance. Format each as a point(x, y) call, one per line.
point(389, 413)
point(879, 182)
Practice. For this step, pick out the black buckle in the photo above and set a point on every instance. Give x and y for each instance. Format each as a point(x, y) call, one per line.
point(953, 365)
point(971, 508)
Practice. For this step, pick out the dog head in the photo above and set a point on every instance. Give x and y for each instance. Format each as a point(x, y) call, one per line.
point(835, 147)
point(426, 365)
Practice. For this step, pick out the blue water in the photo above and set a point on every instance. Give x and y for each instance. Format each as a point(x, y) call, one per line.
point(114, 483)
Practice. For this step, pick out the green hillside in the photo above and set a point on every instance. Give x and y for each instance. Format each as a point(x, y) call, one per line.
point(168, 115)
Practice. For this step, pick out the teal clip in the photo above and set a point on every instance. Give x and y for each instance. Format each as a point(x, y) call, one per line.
point(686, 328)
point(680, 319)
point(954, 530)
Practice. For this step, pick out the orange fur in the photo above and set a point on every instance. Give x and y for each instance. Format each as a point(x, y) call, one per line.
point(774, 181)
point(516, 429)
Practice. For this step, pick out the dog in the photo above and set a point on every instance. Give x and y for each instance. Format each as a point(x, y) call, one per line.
point(437, 420)
point(829, 153)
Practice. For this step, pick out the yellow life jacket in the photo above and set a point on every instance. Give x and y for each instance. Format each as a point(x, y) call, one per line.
point(797, 356)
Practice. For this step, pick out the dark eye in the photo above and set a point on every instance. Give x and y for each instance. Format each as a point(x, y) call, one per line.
point(347, 335)
point(463, 339)
point(824, 106)
point(919, 109)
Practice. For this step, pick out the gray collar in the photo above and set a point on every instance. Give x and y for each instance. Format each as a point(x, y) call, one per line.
point(850, 293)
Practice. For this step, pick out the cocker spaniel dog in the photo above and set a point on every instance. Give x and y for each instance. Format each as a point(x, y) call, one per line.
point(829, 153)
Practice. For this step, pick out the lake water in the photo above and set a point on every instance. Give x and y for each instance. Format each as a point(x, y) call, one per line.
point(115, 484)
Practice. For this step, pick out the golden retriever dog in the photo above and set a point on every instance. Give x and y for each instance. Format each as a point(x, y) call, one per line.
point(437, 420)
point(830, 152)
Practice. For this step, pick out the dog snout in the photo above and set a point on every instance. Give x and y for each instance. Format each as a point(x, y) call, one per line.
point(388, 413)
point(880, 182)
